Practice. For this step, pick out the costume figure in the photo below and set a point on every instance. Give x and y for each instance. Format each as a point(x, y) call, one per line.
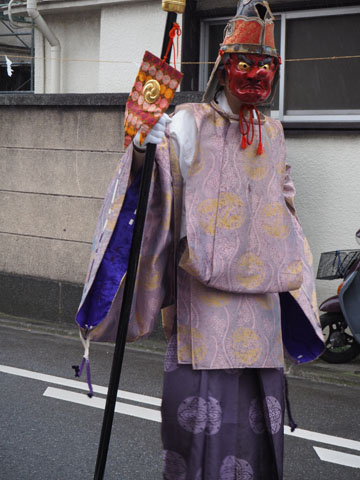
point(224, 257)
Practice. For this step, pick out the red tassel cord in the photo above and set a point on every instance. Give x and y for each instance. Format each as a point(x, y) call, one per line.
point(175, 31)
point(246, 127)
point(260, 149)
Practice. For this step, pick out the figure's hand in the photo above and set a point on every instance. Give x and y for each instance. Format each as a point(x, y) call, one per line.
point(155, 135)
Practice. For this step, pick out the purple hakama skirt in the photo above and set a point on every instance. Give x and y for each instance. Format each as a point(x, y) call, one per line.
point(222, 424)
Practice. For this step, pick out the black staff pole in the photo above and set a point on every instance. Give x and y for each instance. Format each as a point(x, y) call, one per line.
point(128, 291)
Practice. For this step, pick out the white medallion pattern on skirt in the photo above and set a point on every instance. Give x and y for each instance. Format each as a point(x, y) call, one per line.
point(275, 414)
point(197, 415)
point(174, 466)
point(256, 415)
point(234, 468)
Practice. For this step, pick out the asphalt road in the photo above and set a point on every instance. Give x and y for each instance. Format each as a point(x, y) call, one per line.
point(49, 428)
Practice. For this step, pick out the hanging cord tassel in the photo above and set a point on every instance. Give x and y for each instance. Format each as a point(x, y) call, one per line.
point(260, 149)
point(176, 30)
point(246, 139)
point(85, 361)
point(292, 423)
point(242, 129)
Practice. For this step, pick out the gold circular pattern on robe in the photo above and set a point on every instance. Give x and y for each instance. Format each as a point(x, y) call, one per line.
point(293, 274)
point(256, 166)
point(245, 345)
point(251, 271)
point(271, 129)
point(226, 212)
point(281, 168)
point(189, 261)
point(314, 305)
point(215, 298)
point(151, 91)
point(191, 344)
point(265, 301)
point(152, 280)
point(296, 293)
point(167, 211)
point(275, 220)
point(308, 254)
point(195, 167)
point(149, 277)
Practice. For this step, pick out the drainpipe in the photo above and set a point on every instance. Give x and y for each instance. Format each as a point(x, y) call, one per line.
point(55, 48)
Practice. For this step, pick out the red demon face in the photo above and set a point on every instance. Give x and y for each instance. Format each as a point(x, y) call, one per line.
point(250, 77)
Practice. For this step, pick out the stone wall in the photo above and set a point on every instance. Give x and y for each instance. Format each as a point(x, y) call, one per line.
point(55, 164)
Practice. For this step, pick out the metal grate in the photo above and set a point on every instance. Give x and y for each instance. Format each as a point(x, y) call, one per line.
point(336, 264)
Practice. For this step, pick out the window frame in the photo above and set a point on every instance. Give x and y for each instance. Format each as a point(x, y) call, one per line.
point(298, 116)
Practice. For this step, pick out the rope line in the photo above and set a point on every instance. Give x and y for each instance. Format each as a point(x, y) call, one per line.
point(128, 62)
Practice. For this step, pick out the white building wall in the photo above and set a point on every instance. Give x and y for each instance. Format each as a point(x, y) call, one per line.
point(326, 172)
point(126, 32)
point(78, 33)
point(101, 48)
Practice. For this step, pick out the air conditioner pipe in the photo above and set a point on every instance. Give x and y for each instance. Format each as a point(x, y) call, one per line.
point(55, 48)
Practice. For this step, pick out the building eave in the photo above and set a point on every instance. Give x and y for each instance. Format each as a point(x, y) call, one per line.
point(52, 6)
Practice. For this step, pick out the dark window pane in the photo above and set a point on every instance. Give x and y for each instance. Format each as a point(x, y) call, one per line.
point(216, 36)
point(20, 79)
point(277, 34)
point(323, 84)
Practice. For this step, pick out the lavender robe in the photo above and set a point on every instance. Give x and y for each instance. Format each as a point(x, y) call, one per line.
point(252, 241)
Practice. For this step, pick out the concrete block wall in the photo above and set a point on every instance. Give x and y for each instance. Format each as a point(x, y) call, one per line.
point(55, 165)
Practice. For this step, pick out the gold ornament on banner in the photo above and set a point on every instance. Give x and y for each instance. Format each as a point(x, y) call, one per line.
point(176, 6)
point(151, 91)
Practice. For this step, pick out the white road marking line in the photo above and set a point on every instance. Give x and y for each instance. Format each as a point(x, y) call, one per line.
point(135, 397)
point(65, 382)
point(323, 438)
point(96, 402)
point(340, 458)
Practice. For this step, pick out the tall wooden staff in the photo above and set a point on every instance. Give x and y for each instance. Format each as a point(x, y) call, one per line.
point(173, 7)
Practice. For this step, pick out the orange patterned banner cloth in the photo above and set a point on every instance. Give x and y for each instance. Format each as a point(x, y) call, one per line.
point(150, 97)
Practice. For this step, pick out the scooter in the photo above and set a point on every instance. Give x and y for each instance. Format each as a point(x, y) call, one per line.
point(340, 322)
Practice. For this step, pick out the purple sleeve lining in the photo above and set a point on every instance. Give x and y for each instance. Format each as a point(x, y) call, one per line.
point(299, 337)
point(113, 265)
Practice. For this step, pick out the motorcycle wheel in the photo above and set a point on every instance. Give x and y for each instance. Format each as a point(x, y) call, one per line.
point(341, 347)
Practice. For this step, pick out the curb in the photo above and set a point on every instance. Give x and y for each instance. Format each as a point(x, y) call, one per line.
point(347, 374)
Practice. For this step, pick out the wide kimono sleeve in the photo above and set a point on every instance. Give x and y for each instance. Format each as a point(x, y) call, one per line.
point(301, 330)
point(100, 306)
